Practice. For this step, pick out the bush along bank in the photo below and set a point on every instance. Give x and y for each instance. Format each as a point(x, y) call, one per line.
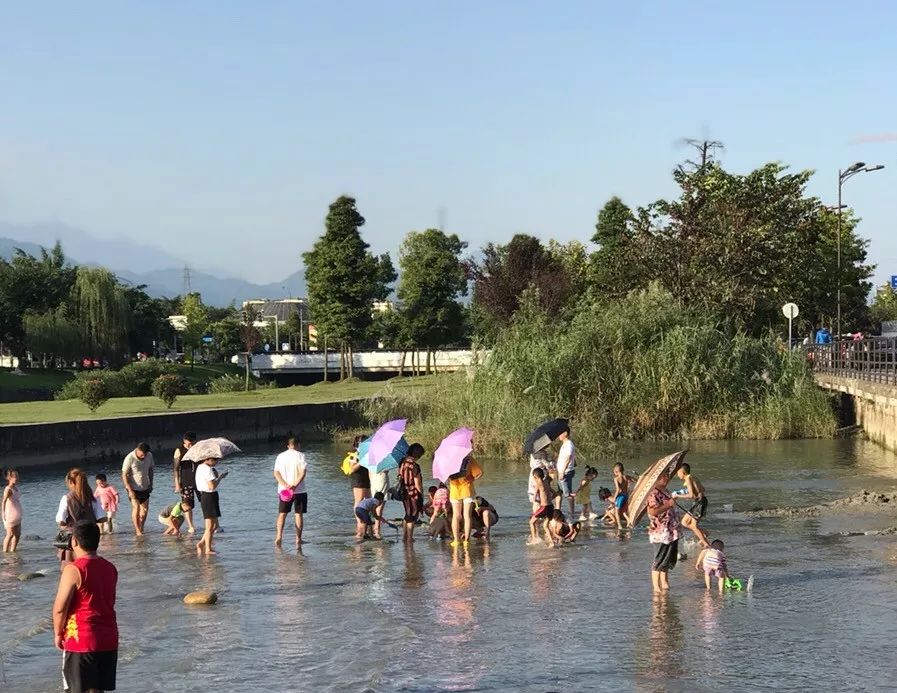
point(643, 367)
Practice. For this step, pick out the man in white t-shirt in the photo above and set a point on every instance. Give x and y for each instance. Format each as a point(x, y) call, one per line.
point(566, 466)
point(137, 471)
point(289, 471)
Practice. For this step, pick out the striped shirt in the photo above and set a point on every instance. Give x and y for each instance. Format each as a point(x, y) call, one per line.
point(714, 559)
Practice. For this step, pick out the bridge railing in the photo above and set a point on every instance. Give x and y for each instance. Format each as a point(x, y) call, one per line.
point(873, 359)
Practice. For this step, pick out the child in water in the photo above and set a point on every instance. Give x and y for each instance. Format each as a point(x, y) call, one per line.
point(108, 497)
point(439, 511)
point(621, 494)
point(606, 497)
point(172, 517)
point(713, 562)
point(11, 511)
point(584, 495)
point(543, 500)
point(560, 530)
point(366, 512)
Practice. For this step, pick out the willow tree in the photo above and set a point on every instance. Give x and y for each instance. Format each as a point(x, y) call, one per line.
point(53, 335)
point(102, 311)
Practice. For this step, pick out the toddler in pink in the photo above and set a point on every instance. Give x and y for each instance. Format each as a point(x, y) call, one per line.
point(108, 497)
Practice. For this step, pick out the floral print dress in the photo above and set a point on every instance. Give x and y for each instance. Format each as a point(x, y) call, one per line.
point(663, 529)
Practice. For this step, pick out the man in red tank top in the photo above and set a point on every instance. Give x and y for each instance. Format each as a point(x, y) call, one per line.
point(84, 616)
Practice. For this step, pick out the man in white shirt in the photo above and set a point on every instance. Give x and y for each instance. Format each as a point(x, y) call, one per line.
point(289, 472)
point(566, 466)
point(137, 471)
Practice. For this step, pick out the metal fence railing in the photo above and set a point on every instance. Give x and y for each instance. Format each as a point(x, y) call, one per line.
point(873, 359)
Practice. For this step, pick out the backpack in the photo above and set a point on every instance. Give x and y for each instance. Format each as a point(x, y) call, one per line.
point(397, 490)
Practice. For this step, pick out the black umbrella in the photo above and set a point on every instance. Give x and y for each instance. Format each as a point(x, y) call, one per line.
point(543, 435)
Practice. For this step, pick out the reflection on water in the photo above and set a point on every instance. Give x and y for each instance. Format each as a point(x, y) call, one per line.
point(384, 616)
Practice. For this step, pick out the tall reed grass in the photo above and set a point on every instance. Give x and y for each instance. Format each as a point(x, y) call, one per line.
point(643, 367)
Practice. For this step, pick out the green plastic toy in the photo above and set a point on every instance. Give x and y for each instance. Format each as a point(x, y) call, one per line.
point(733, 584)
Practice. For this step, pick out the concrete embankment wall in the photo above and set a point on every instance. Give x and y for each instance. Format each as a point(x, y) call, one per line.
point(74, 442)
point(873, 404)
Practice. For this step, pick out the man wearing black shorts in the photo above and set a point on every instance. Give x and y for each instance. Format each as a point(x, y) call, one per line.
point(137, 471)
point(185, 479)
point(289, 472)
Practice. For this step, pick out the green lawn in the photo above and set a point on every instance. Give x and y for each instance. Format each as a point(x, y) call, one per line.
point(75, 410)
point(35, 379)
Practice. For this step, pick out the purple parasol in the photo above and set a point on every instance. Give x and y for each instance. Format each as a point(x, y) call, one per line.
point(450, 455)
point(385, 448)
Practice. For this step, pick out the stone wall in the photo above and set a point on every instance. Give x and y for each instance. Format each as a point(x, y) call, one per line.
point(74, 442)
point(874, 405)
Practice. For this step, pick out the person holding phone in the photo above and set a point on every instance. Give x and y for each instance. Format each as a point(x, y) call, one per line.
point(207, 480)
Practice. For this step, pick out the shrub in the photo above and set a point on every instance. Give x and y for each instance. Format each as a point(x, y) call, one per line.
point(167, 388)
point(134, 380)
point(228, 383)
point(93, 393)
point(236, 383)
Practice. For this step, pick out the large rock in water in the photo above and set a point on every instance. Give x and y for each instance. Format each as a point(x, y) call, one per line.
point(32, 537)
point(30, 576)
point(201, 597)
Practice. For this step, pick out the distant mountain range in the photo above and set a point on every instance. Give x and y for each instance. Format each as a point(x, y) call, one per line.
point(161, 272)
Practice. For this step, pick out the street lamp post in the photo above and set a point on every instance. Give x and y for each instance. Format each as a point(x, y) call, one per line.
point(844, 175)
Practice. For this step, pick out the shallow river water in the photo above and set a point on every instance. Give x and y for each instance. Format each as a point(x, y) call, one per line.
point(499, 617)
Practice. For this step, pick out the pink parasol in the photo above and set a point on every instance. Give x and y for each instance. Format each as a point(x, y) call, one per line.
point(450, 455)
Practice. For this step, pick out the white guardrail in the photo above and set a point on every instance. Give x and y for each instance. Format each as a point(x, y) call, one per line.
point(371, 361)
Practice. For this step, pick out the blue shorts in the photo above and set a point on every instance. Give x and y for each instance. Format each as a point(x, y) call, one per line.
point(364, 516)
point(621, 501)
point(566, 483)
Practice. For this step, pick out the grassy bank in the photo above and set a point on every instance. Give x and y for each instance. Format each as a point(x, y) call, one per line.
point(74, 410)
point(641, 368)
point(35, 379)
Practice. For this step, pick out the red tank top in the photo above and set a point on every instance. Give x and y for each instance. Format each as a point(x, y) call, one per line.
point(91, 625)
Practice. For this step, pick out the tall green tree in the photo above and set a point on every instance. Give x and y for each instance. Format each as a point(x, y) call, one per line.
point(738, 246)
point(884, 306)
point(196, 322)
point(31, 284)
point(433, 278)
point(250, 337)
point(149, 320)
point(53, 336)
point(611, 265)
point(103, 312)
point(344, 279)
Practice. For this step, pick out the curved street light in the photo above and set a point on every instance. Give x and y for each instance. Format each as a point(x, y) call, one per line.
point(844, 175)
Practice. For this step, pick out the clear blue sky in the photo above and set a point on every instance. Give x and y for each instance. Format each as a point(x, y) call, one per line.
point(204, 127)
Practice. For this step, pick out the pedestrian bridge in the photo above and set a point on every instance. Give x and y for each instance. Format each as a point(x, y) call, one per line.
point(381, 363)
point(864, 375)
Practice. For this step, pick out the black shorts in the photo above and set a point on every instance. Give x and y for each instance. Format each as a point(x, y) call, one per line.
point(412, 507)
point(699, 508)
point(364, 516)
point(83, 671)
point(189, 496)
point(141, 496)
point(299, 501)
point(666, 557)
point(209, 504)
